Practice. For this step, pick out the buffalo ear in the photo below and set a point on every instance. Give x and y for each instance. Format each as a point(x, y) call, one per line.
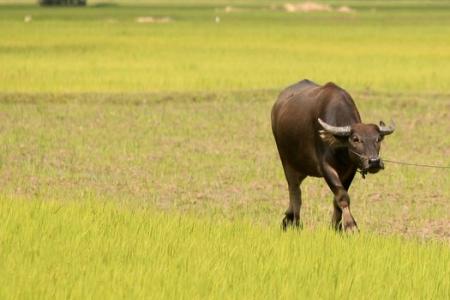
point(332, 140)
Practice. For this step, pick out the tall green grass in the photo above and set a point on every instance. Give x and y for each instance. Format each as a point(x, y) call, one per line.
point(97, 250)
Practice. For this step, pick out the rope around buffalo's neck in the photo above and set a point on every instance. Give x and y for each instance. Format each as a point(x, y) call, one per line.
point(361, 171)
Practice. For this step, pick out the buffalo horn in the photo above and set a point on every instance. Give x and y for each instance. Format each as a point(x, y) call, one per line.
point(385, 130)
point(335, 130)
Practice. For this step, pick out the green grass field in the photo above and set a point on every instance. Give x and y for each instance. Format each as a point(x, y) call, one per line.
point(97, 49)
point(137, 159)
point(96, 250)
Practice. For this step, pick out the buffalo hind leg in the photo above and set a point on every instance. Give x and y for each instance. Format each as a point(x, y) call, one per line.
point(292, 214)
point(336, 220)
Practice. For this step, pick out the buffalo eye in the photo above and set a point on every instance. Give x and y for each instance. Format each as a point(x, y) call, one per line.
point(379, 139)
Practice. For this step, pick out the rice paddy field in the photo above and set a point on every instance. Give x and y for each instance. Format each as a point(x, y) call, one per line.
point(137, 159)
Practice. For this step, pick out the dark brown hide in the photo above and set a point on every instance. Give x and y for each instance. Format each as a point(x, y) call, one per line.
point(334, 149)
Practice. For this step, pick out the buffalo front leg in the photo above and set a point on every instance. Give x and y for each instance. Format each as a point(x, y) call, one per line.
point(346, 180)
point(292, 214)
point(342, 216)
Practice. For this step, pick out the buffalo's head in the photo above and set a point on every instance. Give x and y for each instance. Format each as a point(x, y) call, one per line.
point(363, 142)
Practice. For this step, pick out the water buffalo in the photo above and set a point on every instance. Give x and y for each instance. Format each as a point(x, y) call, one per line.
point(319, 133)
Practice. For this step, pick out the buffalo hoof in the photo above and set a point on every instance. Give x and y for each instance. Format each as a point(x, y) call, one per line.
point(351, 227)
point(348, 222)
point(290, 222)
point(337, 226)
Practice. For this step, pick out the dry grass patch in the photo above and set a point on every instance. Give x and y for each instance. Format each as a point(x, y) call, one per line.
point(315, 7)
point(154, 19)
point(208, 152)
point(306, 7)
